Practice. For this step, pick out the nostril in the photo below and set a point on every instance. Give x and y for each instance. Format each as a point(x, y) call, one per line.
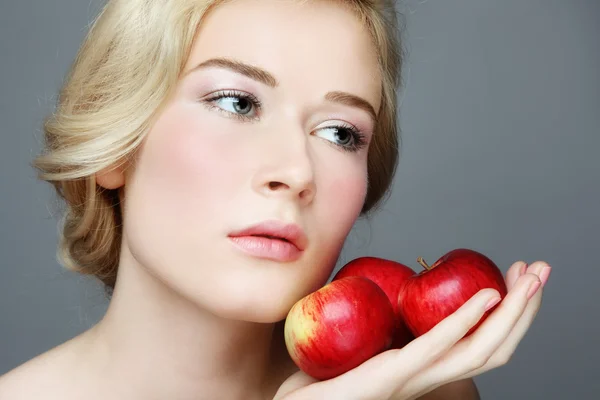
point(275, 185)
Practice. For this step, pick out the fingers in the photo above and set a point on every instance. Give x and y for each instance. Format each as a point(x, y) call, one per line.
point(383, 374)
point(442, 337)
point(482, 344)
point(514, 272)
point(474, 352)
point(504, 353)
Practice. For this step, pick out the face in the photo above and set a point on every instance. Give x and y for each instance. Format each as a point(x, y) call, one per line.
point(270, 122)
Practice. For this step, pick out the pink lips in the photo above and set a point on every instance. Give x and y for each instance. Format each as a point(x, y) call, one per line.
point(271, 240)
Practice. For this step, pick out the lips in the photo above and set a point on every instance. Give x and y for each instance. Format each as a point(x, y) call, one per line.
point(272, 240)
point(276, 230)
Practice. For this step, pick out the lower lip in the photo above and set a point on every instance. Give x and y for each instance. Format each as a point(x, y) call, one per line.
point(270, 249)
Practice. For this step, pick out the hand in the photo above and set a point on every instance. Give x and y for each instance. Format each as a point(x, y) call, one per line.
point(441, 355)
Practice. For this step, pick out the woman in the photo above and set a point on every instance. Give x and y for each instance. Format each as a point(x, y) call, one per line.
point(182, 125)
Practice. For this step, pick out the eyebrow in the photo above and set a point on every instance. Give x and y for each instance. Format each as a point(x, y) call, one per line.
point(352, 101)
point(266, 78)
point(256, 73)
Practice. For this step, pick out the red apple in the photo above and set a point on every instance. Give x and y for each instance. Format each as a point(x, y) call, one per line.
point(338, 327)
point(389, 276)
point(435, 293)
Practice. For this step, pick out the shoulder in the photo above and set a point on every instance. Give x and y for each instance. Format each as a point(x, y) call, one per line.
point(464, 389)
point(48, 376)
point(30, 380)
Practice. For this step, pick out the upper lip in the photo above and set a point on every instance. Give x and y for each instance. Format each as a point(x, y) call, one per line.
point(291, 232)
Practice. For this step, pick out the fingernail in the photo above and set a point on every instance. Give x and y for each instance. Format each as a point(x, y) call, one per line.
point(492, 303)
point(545, 274)
point(533, 288)
point(523, 269)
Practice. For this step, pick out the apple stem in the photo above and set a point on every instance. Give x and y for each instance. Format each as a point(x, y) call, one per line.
point(423, 263)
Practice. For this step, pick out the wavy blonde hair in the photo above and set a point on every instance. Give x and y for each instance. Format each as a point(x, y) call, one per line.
point(127, 66)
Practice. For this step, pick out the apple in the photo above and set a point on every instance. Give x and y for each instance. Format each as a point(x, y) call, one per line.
point(338, 327)
point(389, 276)
point(433, 294)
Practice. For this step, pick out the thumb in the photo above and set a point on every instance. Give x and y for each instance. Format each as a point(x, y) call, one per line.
point(296, 381)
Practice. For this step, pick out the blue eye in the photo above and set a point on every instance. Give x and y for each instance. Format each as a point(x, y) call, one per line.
point(238, 104)
point(346, 137)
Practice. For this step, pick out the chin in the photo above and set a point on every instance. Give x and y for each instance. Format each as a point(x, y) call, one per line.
point(258, 297)
point(264, 310)
point(262, 316)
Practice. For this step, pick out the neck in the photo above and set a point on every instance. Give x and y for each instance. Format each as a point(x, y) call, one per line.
point(154, 344)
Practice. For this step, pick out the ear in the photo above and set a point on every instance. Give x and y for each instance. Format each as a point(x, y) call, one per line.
point(111, 177)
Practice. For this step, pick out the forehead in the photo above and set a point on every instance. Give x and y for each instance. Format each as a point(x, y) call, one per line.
point(309, 45)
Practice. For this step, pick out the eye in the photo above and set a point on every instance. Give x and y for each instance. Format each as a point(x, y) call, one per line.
point(346, 137)
point(238, 104)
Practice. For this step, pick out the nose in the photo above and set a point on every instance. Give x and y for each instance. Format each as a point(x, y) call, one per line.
point(286, 167)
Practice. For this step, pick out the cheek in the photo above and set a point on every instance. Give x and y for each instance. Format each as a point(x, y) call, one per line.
point(183, 163)
point(345, 194)
point(338, 204)
point(340, 199)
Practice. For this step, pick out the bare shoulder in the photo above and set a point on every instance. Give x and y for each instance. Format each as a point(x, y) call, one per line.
point(464, 389)
point(47, 376)
point(32, 379)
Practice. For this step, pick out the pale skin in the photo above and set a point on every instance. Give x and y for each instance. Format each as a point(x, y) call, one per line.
point(193, 318)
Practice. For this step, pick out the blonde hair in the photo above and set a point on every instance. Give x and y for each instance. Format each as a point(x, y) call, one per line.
point(126, 68)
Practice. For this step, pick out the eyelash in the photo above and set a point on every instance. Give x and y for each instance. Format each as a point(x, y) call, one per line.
point(358, 138)
point(233, 93)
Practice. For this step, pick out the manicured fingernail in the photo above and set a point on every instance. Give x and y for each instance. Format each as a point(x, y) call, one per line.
point(523, 269)
point(492, 303)
point(533, 288)
point(545, 274)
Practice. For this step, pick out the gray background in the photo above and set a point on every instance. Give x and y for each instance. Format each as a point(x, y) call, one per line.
point(501, 131)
